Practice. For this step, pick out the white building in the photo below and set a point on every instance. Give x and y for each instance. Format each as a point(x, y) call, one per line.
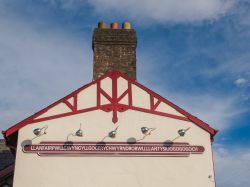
point(112, 132)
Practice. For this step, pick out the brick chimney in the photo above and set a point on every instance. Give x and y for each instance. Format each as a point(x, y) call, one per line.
point(114, 48)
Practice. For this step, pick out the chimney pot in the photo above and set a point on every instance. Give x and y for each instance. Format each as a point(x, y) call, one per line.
point(102, 25)
point(114, 25)
point(126, 25)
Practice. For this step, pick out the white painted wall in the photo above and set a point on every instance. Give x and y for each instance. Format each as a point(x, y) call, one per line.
point(32, 170)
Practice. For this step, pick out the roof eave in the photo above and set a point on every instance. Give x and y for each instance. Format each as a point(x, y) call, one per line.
point(12, 130)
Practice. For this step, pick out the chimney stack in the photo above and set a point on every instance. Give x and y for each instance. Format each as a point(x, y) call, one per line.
point(114, 48)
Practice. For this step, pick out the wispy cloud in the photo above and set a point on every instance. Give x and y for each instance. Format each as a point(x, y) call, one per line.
point(219, 111)
point(164, 11)
point(38, 66)
point(240, 82)
point(210, 104)
point(145, 11)
point(232, 166)
point(213, 109)
point(67, 5)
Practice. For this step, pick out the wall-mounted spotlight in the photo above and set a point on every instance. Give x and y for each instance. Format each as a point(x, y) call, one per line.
point(40, 131)
point(78, 133)
point(182, 132)
point(146, 131)
point(112, 134)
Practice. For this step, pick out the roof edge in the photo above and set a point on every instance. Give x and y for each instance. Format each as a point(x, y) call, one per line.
point(10, 131)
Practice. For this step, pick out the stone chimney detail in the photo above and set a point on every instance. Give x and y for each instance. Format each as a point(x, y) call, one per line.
point(114, 48)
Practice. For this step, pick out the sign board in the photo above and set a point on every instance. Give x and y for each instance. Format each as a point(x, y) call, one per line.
point(114, 149)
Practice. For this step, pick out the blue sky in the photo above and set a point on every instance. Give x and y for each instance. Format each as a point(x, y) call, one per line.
point(195, 53)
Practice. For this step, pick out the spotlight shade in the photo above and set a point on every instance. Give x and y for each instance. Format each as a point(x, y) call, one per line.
point(79, 133)
point(181, 132)
point(37, 131)
point(112, 134)
point(144, 130)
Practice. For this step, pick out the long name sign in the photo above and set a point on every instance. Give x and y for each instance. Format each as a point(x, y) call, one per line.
point(113, 149)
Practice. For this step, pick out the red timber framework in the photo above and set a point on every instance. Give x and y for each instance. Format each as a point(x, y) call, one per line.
point(116, 99)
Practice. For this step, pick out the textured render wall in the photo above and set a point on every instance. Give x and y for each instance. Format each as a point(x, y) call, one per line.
point(33, 170)
point(114, 49)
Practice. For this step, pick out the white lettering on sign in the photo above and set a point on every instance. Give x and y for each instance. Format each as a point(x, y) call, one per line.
point(113, 149)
